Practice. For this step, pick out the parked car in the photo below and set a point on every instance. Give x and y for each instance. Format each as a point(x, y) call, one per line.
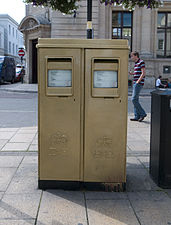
point(20, 71)
point(7, 69)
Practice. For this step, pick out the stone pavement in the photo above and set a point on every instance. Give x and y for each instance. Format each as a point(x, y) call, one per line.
point(19, 87)
point(21, 203)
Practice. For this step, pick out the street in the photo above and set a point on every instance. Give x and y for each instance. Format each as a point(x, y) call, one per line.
point(18, 109)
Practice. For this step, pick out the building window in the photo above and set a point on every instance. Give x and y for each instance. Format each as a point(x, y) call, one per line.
point(9, 29)
point(122, 26)
point(16, 33)
point(9, 47)
point(13, 31)
point(13, 51)
point(164, 35)
point(16, 49)
point(160, 44)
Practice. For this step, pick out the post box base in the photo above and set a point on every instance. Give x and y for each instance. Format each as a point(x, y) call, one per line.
point(77, 185)
point(54, 184)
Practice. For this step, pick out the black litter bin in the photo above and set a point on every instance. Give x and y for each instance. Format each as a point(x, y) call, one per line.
point(160, 143)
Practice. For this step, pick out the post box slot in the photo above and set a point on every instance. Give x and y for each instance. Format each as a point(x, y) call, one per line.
point(105, 61)
point(60, 60)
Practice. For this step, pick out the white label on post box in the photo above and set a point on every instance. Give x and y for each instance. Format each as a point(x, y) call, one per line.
point(59, 78)
point(105, 79)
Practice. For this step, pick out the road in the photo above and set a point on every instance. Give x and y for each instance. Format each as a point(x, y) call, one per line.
point(20, 109)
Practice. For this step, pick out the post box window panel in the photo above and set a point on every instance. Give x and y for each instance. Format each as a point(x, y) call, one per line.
point(59, 78)
point(105, 79)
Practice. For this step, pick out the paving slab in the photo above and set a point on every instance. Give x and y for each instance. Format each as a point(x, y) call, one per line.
point(19, 206)
point(2, 143)
point(9, 129)
point(1, 194)
point(30, 160)
point(35, 141)
point(133, 162)
point(113, 212)
point(21, 184)
point(139, 180)
point(34, 128)
point(151, 207)
point(17, 222)
point(6, 135)
point(16, 147)
point(146, 138)
point(132, 125)
point(33, 148)
point(145, 160)
point(168, 191)
point(10, 161)
point(27, 131)
point(93, 195)
point(6, 175)
point(138, 145)
point(24, 138)
point(133, 136)
point(27, 170)
point(62, 208)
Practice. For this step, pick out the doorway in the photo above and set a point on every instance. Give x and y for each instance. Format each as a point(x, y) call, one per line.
point(34, 61)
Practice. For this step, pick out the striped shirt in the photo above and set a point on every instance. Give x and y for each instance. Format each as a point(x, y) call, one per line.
point(137, 71)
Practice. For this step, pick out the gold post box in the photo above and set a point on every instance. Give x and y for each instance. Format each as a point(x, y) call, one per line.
point(82, 124)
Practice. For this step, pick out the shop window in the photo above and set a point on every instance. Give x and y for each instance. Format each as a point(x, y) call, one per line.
point(164, 35)
point(122, 26)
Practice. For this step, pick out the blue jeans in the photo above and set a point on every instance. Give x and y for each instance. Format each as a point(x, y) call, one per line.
point(138, 110)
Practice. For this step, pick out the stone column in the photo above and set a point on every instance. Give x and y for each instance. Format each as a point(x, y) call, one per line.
point(146, 33)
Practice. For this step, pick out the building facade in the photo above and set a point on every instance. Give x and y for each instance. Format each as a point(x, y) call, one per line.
point(1, 40)
point(10, 37)
point(148, 32)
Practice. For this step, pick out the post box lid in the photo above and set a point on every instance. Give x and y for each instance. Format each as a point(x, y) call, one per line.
point(162, 91)
point(82, 43)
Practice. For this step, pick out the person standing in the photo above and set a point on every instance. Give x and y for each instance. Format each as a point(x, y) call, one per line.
point(138, 83)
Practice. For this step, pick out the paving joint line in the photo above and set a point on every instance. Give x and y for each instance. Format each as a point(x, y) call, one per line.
point(86, 208)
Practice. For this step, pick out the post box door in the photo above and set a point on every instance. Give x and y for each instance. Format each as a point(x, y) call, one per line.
point(105, 115)
point(59, 114)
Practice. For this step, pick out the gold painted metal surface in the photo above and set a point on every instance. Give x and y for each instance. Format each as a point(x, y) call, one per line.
point(82, 128)
point(59, 118)
point(106, 121)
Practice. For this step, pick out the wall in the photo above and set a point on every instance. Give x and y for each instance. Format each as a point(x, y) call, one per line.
point(66, 26)
point(1, 40)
